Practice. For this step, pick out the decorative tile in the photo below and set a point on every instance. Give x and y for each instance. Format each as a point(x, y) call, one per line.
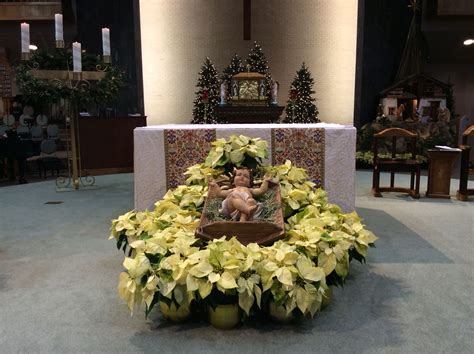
point(184, 148)
point(303, 147)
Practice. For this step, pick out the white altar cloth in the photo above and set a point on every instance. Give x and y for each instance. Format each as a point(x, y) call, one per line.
point(339, 158)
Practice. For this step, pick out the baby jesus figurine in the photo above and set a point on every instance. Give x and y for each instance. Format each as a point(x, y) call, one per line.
point(239, 203)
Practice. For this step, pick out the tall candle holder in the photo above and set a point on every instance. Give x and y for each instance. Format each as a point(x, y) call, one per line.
point(25, 56)
point(74, 82)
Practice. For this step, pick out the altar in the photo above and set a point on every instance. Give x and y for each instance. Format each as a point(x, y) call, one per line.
point(327, 151)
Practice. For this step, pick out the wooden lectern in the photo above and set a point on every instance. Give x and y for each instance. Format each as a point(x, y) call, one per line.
point(440, 165)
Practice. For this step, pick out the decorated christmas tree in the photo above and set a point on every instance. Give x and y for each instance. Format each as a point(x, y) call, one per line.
point(207, 95)
point(257, 62)
point(236, 66)
point(301, 107)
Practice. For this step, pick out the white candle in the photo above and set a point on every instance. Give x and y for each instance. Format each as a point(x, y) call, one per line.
point(76, 57)
point(105, 41)
point(58, 25)
point(25, 38)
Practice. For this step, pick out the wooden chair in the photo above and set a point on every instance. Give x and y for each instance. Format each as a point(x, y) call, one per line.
point(48, 161)
point(396, 164)
point(467, 165)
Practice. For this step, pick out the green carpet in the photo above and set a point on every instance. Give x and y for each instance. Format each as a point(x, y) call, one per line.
point(59, 274)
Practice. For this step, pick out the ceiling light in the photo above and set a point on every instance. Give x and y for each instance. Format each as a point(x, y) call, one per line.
point(468, 41)
point(33, 47)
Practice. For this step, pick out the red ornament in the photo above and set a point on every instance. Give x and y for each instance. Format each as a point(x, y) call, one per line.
point(293, 94)
point(205, 96)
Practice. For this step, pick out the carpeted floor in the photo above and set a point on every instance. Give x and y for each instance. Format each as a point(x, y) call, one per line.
point(59, 273)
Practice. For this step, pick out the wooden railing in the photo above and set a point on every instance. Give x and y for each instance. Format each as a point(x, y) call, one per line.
point(455, 7)
point(29, 1)
point(29, 10)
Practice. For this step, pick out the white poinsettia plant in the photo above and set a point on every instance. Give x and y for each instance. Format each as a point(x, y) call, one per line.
point(236, 150)
point(166, 262)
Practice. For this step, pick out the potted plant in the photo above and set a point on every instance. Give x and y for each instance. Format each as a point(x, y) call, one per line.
point(174, 295)
point(225, 258)
point(223, 309)
point(291, 282)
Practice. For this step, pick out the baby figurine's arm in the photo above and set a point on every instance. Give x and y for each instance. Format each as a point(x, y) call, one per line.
point(216, 191)
point(263, 187)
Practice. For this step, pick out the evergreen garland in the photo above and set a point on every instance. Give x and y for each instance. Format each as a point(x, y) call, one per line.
point(257, 62)
point(300, 107)
point(236, 66)
point(41, 93)
point(207, 95)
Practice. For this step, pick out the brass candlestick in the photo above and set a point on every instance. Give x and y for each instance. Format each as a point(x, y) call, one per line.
point(77, 76)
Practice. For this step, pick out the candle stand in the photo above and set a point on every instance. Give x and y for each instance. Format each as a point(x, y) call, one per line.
point(74, 88)
point(74, 82)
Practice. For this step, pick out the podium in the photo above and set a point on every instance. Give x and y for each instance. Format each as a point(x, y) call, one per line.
point(440, 165)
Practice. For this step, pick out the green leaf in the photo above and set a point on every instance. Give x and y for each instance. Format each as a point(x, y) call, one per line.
point(327, 262)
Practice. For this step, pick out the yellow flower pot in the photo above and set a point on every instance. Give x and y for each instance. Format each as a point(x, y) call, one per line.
point(326, 298)
point(174, 314)
point(224, 316)
point(278, 313)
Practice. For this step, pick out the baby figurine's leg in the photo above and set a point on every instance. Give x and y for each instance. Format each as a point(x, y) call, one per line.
point(245, 208)
point(253, 205)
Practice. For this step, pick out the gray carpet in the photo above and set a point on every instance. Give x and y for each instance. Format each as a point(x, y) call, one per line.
point(59, 273)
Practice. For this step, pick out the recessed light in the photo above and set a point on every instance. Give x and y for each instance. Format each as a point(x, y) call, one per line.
point(468, 41)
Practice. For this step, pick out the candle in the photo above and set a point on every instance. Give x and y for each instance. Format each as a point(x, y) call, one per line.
point(105, 41)
point(58, 25)
point(76, 57)
point(25, 37)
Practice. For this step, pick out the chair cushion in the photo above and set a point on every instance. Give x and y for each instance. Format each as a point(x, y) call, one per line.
point(48, 146)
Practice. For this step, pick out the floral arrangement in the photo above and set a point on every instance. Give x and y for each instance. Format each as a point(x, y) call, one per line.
point(166, 263)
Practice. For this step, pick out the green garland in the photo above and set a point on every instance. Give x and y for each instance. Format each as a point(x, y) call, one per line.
point(42, 93)
point(367, 157)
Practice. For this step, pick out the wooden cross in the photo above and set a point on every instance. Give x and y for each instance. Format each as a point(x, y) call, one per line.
point(247, 19)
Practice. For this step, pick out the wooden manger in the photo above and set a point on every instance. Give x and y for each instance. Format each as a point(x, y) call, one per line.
point(265, 230)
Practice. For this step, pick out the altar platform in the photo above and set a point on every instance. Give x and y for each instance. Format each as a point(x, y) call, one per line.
point(162, 153)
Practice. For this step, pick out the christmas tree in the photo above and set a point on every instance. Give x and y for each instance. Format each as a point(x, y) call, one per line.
point(257, 62)
point(300, 107)
point(207, 95)
point(236, 66)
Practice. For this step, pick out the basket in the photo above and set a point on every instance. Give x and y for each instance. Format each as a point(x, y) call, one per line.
point(258, 231)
